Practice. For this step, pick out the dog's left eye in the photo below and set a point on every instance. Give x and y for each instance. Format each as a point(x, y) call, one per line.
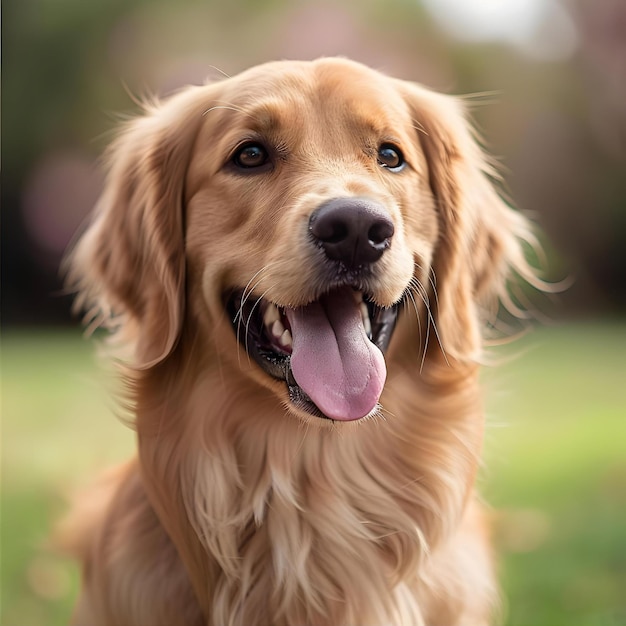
point(250, 155)
point(390, 156)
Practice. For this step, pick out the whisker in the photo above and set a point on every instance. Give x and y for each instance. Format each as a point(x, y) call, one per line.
point(423, 342)
point(247, 292)
point(254, 306)
point(249, 288)
point(419, 289)
point(424, 296)
point(406, 304)
point(432, 279)
point(222, 72)
point(221, 104)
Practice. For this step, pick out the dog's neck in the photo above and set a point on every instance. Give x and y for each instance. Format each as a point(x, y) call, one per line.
point(259, 502)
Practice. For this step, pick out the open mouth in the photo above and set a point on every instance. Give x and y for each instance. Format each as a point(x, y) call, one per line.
point(329, 352)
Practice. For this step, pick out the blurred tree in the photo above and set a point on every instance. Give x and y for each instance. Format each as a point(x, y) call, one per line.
point(68, 64)
point(52, 58)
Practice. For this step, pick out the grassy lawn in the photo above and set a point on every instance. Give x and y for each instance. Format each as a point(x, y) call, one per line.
point(57, 430)
point(555, 471)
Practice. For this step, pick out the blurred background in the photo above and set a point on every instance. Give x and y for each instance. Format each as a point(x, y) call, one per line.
point(551, 82)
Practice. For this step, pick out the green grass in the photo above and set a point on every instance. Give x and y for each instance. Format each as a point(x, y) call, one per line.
point(57, 430)
point(555, 471)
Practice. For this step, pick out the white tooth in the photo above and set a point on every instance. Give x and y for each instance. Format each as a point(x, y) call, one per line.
point(364, 312)
point(278, 329)
point(368, 327)
point(366, 319)
point(285, 339)
point(271, 315)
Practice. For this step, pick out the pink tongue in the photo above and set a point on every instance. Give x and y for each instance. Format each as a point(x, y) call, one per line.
point(333, 360)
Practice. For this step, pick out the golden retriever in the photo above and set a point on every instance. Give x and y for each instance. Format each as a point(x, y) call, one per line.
point(299, 265)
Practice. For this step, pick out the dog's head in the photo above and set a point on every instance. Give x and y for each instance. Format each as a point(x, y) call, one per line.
point(294, 215)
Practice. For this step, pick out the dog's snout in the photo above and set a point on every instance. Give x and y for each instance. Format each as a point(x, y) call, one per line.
point(353, 231)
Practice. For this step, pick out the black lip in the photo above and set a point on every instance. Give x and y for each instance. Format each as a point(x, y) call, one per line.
point(246, 315)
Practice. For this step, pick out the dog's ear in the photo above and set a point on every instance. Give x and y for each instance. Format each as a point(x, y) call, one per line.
point(129, 266)
point(481, 245)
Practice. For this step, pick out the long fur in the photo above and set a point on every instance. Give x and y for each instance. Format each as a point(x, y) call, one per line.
point(240, 509)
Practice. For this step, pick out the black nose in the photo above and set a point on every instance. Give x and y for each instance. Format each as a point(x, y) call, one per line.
point(353, 231)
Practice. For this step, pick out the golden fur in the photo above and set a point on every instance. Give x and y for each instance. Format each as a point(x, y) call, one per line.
point(241, 509)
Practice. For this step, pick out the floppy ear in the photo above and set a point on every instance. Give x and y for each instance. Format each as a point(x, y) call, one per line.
point(481, 241)
point(129, 266)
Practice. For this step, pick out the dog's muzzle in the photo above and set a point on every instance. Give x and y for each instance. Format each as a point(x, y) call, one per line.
point(330, 351)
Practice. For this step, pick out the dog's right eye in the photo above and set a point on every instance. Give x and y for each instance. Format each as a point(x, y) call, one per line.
point(250, 155)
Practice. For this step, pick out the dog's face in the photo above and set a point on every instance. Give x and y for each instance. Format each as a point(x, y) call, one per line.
point(308, 212)
point(292, 213)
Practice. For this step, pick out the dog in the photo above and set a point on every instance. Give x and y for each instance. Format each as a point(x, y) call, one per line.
point(300, 267)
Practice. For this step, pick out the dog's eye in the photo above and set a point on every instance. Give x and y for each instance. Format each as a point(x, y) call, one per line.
point(390, 156)
point(250, 155)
